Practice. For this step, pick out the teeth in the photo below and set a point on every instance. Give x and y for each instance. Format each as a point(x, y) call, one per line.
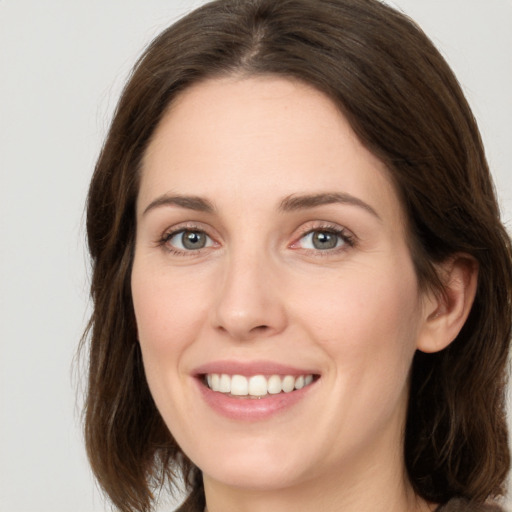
point(257, 385)
point(299, 382)
point(225, 383)
point(288, 383)
point(274, 385)
point(239, 385)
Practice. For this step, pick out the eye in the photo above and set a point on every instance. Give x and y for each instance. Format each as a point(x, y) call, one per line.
point(324, 239)
point(188, 240)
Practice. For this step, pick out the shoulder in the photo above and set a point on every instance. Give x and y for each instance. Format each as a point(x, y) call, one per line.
point(461, 505)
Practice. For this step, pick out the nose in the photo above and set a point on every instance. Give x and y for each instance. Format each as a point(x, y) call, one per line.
point(249, 302)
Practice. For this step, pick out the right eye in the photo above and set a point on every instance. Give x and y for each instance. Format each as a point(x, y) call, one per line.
point(187, 240)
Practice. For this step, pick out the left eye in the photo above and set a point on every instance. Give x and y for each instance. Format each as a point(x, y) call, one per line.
point(189, 240)
point(322, 240)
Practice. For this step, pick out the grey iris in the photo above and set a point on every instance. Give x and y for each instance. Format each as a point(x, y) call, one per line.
point(324, 240)
point(193, 240)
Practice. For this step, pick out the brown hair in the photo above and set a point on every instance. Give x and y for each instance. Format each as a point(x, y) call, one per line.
point(406, 106)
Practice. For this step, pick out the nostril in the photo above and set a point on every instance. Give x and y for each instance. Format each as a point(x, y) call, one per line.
point(260, 328)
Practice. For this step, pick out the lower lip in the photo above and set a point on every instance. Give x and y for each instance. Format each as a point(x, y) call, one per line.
point(251, 409)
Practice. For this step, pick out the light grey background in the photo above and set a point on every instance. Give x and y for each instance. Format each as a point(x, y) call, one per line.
point(62, 65)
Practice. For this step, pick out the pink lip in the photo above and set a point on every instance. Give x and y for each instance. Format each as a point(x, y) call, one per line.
point(247, 369)
point(250, 409)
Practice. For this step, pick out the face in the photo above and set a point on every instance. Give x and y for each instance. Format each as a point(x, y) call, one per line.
point(277, 306)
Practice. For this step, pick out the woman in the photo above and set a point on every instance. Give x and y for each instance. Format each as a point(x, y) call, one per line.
point(301, 284)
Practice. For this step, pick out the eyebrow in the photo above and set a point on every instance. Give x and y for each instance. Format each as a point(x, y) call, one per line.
point(189, 202)
point(288, 204)
point(303, 202)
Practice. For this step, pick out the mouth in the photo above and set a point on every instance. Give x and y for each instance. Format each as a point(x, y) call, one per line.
point(256, 386)
point(256, 390)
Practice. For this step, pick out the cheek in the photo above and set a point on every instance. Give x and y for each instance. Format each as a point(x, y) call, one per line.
point(169, 318)
point(367, 323)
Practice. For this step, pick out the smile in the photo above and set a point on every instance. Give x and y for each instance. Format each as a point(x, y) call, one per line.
point(256, 386)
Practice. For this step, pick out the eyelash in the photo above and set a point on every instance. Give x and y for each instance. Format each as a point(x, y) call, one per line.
point(347, 238)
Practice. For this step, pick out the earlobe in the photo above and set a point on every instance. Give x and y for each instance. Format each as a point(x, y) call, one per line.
point(446, 312)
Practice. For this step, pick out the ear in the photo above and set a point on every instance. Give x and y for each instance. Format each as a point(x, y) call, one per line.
point(446, 312)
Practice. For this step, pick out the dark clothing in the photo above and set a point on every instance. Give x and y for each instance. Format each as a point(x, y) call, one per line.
point(196, 504)
point(459, 505)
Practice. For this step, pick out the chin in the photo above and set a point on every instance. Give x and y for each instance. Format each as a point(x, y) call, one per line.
point(256, 468)
point(255, 476)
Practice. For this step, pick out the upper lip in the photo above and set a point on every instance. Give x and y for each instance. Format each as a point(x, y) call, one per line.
point(248, 368)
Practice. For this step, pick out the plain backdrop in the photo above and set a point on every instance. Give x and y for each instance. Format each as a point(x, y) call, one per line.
point(62, 65)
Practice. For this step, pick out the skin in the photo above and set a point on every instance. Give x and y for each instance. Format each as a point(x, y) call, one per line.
point(260, 290)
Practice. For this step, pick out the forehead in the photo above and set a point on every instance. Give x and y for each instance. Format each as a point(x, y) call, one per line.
point(264, 137)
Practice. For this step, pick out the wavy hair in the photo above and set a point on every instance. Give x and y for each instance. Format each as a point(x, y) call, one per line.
point(406, 106)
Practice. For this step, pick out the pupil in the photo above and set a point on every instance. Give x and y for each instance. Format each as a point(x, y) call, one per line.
point(324, 240)
point(193, 240)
